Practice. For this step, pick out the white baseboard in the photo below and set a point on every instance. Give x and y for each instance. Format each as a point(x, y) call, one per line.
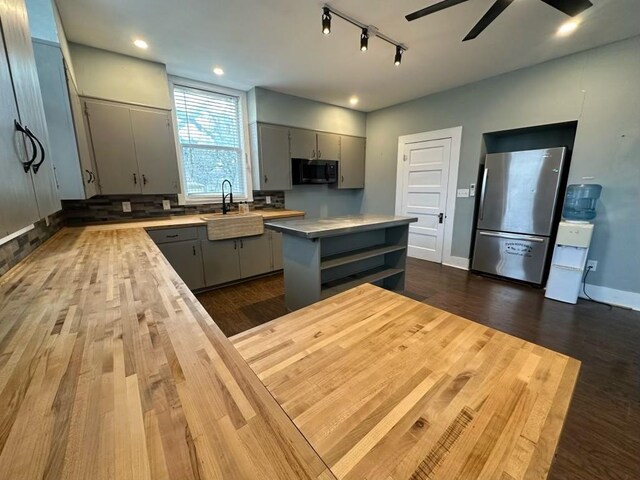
point(619, 298)
point(456, 262)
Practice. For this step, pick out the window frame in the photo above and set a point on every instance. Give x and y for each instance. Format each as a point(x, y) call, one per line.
point(183, 198)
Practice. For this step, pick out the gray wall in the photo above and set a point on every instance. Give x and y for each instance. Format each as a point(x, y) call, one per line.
point(273, 107)
point(599, 88)
point(112, 76)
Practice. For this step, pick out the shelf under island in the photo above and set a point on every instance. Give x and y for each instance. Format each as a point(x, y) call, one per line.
point(323, 257)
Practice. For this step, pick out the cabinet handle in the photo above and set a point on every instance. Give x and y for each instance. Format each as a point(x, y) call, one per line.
point(135, 179)
point(235, 244)
point(194, 250)
point(93, 177)
point(88, 173)
point(313, 154)
point(266, 179)
point(172, 236)
point(342, 178)
point(25, 132)
point(144, 179)
point(241, 244)
point(36, 166)
point(319, 154)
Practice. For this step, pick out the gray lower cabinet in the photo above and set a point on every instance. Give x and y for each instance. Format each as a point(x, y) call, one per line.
point(221, 261)
point(186, 260)
point(255, 255)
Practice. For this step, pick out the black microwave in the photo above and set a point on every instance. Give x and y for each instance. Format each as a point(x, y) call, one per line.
point(313, 171)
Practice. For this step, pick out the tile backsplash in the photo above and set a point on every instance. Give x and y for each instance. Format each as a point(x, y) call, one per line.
point(108, 208)
point(18, 248)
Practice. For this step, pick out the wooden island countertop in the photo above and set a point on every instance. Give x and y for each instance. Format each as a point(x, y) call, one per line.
point(385, 387)
point(110, 368)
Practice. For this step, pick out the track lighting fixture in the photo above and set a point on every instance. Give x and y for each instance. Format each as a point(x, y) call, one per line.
point(364, 40)
point(398, 59)
point(366, 31)
point(326, 20)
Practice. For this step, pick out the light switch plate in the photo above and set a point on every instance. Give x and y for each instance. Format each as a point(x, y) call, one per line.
point(268, 199)
point(472, 190)
point(166, 205)
point(463, 193)
point(126, 207)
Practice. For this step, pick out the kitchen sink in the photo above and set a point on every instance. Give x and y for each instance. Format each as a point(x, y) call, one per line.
point(234, 225)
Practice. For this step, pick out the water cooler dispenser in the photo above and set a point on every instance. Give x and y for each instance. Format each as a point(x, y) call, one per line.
point(572, 243)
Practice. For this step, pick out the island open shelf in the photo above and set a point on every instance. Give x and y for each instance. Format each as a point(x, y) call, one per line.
point(323, 257)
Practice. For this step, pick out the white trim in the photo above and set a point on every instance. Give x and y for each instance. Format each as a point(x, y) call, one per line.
point(185, 82)
point(455, 134)
point(10, 237)
point(619, 298)
point(457, 262)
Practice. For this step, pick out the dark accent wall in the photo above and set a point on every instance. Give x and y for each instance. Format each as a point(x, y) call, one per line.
point(108, 208)
point(18, 248)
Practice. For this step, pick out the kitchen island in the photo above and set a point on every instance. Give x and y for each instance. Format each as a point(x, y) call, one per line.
point(326, 256)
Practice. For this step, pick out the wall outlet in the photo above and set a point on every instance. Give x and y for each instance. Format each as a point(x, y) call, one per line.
point(126, 207)
point(268, 199)
point(166, 204)
point(463, 193)
point(593, 264)
point(472, 190)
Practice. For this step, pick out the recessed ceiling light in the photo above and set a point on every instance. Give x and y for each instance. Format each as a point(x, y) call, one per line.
point(141, 44)
point(568, 28)
point(354, 100)
point(218, 71)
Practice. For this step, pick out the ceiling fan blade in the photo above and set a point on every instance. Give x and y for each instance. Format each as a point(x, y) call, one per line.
point(570, 7)
point(496, 9)
point(433, 9)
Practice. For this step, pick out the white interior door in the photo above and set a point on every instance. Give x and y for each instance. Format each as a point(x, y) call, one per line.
point(425, 175)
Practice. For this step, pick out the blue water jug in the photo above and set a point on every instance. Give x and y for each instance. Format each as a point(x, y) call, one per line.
point(580, 202)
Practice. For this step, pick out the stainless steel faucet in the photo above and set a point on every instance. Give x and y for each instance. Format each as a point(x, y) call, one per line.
point(226, 208)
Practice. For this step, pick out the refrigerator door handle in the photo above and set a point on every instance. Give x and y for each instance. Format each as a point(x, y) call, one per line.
point(483, 192)
point(527, 238)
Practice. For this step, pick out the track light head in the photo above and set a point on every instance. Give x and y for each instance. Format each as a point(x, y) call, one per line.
point(364, 40)
point(398, 59)
point(326, 20)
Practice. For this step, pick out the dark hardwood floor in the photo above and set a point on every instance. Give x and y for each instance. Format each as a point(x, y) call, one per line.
point(601, 438)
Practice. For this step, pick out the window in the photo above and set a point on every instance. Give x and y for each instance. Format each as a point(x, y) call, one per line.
point(210, 132)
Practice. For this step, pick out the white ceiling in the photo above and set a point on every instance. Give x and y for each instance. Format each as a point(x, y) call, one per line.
point(278, 44)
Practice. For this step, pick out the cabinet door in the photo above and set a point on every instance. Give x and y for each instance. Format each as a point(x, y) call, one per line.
point(155, 151)
point(275, 163)
point(18, 206)
point(113, 147)
point(328, 146)
point(303, 143)
point(221, 261)
point(17, 38)
point(87, 168)
point(351, 165)
point(186, 260)
point(255, 255)
point(276, 250)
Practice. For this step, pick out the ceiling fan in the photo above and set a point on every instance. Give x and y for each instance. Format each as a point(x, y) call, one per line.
point(569, 7)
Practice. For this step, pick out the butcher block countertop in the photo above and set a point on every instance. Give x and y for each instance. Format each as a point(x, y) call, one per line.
point(384, 387)
point(110, 368)
point(186, 220)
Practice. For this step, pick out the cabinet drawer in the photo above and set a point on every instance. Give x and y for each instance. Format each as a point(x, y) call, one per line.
point(168, 235)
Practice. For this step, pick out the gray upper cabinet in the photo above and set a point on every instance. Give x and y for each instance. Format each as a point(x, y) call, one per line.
point(113, 147)
point(328, 146)
point(133, 148)
point(303, 143)
point(351, 165)
point(18, 207)
point(271, 160)
point(69, 149)
point(155, 151)
point(255, 255)
point(26, 88)
point(186, 260)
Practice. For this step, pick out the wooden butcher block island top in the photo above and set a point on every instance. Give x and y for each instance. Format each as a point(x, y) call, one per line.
point(111, 369)
point(386, 387)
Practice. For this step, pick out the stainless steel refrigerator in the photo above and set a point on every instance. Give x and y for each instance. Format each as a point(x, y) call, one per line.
point(518, 202)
